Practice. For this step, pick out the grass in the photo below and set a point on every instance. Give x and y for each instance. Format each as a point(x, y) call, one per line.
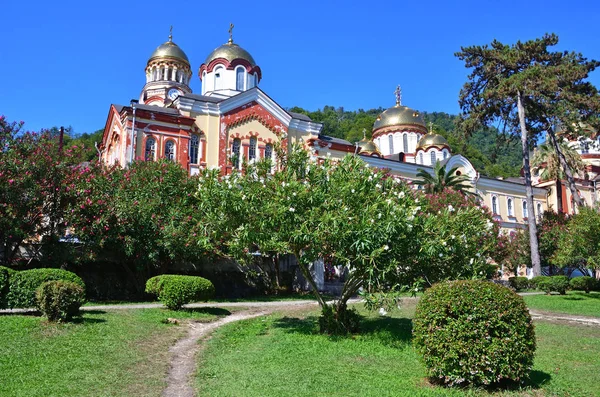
point(283, 355)
point(112, 353)
point(575, 302)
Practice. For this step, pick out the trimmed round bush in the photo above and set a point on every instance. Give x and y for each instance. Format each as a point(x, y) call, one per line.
point(585, 283)
point(474, 333)
point(537, 281)
point(519, 283)
point(174, 291)
point(59, 300)
point(558, 284)
point(23, 284)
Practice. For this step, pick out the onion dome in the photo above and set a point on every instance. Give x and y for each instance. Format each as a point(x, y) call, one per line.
point(230, 51)
point(399, 115)
point(432, 139)
point(367, 146)
point(169, 51)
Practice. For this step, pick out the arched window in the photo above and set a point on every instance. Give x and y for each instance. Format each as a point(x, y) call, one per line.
point(445, 154)
point(219, 78)
point(509, 204)
point(269, 154)
point(239, 79)
point(252, 149)
point(255, 80)
point(405, 142)
point(433, 158)
point(170, 150)
point(421, 158)
point(391, 143)
point(540, 210)
point(194, 149)
point(235, 152)
point(525, 212)
point(150, 152)
point(495, 205)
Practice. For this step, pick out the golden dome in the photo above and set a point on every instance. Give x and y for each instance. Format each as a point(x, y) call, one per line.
point(230, 51)
point(398, 115)
point(169, 50)
point(367, 146)
point(432, 139)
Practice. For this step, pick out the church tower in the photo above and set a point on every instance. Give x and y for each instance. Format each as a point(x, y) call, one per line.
point(228, 70)
point(168, 74)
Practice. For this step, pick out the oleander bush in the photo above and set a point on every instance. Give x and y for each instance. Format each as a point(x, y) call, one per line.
point(23, 284)
point(5, 274)
point(60, 300)
point(551, 284)
point(519, 283)
point(332, 322)
point(174, 291)
point(585, 283)
point(474, 333)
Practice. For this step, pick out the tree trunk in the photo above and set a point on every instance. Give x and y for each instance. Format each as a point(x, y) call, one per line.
point(310, 280)
point(568, 172)
point(276, 266)
point(533, 240)
point(559, 202)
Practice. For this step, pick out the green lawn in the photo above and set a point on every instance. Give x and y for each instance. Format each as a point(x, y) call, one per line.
point(112, 353)
point(285, 356)
point(575, 302)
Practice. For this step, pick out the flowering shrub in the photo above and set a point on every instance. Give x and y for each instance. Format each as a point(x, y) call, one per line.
point(474, 332)
point(59, 300)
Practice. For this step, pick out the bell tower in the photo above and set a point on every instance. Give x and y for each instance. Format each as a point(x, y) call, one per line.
point(168, 74)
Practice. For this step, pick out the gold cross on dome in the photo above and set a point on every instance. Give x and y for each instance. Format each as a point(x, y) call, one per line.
point(364, 133)
point(398, 93)
point(171, 33)
point(431, 127)
point(231, 32)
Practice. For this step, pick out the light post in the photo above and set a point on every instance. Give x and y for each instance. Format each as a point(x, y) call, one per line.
point(133, 102)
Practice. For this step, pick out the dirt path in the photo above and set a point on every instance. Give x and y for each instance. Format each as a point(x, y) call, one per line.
point(183, 353)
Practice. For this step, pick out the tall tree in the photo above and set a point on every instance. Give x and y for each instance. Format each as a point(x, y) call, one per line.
point(526, 89)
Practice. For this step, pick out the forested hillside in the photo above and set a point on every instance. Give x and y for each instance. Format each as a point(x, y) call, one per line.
point(489, 152)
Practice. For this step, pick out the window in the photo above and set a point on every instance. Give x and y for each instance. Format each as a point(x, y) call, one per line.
point(218, 78)
point(495, 205)
point(525, 212)
point(269, 154)
point(540, 210)
point(255, 79)
point(421, 158)
point(433, 158)
point(445, 154)
point(405, 142)
point(239, 79)
point(509, 204)
point(235, 152)
point(150, 152)
point(391, 143)
point(170, 150)
point(252, 149)
point(194, 148)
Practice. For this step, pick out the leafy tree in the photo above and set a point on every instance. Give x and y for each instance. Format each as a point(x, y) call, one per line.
point(580, 245)
point(526, 89)
point(440, 180)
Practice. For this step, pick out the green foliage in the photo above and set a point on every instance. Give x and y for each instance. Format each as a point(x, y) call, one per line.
point(585, 283)
point(339, 322)
point(537, 281)
point(440, 180)
point(558, 284)
point(59, 300)
point(580, 245)
point(174, 291)
point(519, 283)
point(23, 284)
point(5, 274)
point(474, 332)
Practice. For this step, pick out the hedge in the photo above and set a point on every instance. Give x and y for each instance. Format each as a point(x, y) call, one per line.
point(474, 332)
point(174, 291)
point(519, 283)
point(23, 284)
point(5, 274)
point(558, 284)
point(585, 283)
point(59, 300)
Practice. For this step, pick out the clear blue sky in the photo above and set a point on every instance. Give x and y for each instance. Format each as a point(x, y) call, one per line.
point(65, 62)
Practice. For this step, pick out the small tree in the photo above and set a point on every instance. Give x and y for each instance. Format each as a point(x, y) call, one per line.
point(440, 180)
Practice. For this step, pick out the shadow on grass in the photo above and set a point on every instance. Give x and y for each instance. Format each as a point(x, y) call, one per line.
point(32, 313)
point(95, 312)
point(537, 379)
point(87, 320)
point(213, 311)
